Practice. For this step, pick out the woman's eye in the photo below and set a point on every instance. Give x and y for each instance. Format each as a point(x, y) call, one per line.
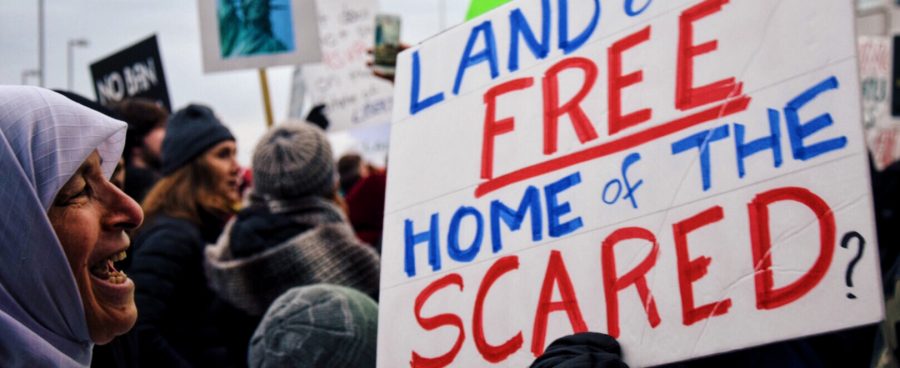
point(85, 192)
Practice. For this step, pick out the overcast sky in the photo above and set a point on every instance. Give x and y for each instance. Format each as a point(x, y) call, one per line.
point(110, 25)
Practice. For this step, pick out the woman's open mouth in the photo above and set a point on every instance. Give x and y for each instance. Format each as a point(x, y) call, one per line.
point(106, 269)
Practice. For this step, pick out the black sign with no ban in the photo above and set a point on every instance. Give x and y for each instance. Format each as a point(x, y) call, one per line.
point(135, 71)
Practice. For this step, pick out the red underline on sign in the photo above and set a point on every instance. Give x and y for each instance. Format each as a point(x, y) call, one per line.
point(730, 107)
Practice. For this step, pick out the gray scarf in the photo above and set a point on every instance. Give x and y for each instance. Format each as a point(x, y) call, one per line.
point(328, 252)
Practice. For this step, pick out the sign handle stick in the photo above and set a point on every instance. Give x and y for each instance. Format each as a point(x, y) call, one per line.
point(267, 101)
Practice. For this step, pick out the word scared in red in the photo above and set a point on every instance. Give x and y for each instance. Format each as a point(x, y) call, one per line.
point(615, 282)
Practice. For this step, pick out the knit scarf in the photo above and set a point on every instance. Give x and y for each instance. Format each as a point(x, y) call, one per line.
point(284, 244)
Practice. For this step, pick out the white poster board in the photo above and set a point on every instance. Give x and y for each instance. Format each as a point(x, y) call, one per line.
point(678, 174)
point(882, 129)
point(248, 34)
point(353, 97)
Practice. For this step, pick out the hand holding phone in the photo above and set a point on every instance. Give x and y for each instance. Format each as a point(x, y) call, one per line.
point(387, 43)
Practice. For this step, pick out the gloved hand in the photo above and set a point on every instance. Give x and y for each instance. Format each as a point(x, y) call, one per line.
point(583, 350)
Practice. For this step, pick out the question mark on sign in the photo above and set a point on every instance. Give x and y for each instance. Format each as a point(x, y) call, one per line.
point(845, 242)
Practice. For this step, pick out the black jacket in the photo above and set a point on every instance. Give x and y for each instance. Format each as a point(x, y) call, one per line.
point(180, 321)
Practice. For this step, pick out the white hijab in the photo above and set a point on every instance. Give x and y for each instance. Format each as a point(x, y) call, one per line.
point(44, 139)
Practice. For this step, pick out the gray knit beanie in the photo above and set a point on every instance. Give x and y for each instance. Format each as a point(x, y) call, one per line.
point(293, 160)
point(317, 326)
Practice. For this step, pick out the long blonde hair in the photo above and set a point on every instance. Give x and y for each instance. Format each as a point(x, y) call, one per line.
point(183, 193)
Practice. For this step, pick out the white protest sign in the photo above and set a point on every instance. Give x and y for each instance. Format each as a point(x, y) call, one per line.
point(342, 81)
point(882, 130)
point(681, 175)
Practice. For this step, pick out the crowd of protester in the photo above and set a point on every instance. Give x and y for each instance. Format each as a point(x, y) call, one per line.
point(222, 272)
point(220, 278)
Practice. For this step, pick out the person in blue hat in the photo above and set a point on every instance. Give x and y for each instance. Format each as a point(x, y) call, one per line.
point(181, 322)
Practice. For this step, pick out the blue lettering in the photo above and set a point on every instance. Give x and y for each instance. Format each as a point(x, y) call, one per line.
point(772, 142)
point(556, 210)
point(411, 240)
point(453, 248)
point(619, 184)
point(629, 8)
point(615, 198)
point(489, 53)
point(568, 46)
point(630, 189)
point(701, 141)
point(798, 131)
point(518, 26)
point(531, 199)
point(415, 105)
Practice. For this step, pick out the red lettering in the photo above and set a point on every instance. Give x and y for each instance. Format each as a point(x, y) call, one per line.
point(617, 82)
point(767, 296)
point(552, 109)
point(432, 323)
point(691, 270)
point(491, 353)
point(621, 144)
point(494, 127)
point(637, 276)
point(686, 95)
point(556, 275)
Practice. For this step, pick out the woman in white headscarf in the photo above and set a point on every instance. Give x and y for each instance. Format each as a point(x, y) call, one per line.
point(62, 227)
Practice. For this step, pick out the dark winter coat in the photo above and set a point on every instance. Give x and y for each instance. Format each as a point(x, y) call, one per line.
point(122, 351)
point(583, 350)
point(366, 204)
point(277, 245)
point(180, 321)
point(139, 181)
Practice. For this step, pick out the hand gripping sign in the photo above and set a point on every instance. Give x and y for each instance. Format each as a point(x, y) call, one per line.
point(681, 175)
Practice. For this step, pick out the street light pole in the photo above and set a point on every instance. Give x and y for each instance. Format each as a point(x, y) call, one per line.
point(78, 42)
point(442, 23)
point(29, 73)
point(41, 66)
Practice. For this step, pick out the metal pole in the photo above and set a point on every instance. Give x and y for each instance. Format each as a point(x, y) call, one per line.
point(69, 66)
point(29, 73)
point(442, 23)
point(70, 60)
point(267, 102)
point(41, 67)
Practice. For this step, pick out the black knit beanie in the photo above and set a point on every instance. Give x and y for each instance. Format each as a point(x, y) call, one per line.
point(190, 132)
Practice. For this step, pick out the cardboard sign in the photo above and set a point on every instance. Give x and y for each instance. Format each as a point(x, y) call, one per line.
point(246, 34)
point(882, 130)
point(687, 176)
point(135, 71)
point(352, 95)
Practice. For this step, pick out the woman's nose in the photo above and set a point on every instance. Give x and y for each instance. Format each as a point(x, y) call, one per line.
point(123, 211)
point(235, 167)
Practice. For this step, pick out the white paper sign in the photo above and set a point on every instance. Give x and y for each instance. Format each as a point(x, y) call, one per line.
point(688, 176)
point(353, 96)
point(882, 130)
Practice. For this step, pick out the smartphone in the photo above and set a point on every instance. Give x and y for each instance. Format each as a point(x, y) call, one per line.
point(387, 43)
